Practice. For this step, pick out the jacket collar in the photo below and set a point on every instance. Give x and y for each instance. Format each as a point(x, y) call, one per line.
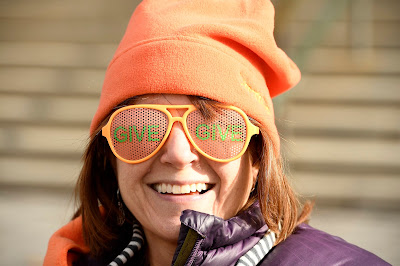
point(218, 232)
point(218, 241)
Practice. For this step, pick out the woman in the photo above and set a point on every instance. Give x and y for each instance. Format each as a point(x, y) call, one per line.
point(183, 163)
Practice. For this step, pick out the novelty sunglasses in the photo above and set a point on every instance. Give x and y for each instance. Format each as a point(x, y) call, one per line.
point(136, 133)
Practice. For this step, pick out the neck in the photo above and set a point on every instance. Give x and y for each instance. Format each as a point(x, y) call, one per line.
point(159, 251)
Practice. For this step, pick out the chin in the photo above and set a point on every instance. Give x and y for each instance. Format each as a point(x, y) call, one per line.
point(168, 229)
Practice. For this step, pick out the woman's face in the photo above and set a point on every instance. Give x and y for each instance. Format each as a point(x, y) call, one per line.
point(179, 164)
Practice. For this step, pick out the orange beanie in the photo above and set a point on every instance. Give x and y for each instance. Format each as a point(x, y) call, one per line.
point(219, 49)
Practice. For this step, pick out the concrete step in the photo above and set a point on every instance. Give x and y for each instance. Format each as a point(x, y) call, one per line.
point(347, 88)
point(344, 117)
point(343, 151)
point(25, 138)
point(39, 171)
point(73, 9)
point(306, 10)
point(379, 187)
point(56, 54)
point(47, 109)
point(59, 81)
point(348, 61)
point(81, 31)
point(340, 34)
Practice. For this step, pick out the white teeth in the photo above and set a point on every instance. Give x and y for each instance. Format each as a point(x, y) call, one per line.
point(184, 189)
point(163, 188)
point(176, 189)
point(199, 187)
point(169, 188)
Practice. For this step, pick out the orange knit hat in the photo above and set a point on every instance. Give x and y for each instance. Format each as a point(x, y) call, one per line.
point(219, 49)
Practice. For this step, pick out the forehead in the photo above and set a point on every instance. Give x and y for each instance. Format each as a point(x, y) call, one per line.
point(163, 99)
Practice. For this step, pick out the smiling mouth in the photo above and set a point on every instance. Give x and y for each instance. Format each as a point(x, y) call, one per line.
point(197, 188)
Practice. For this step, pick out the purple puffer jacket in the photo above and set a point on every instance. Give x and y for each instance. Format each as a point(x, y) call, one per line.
point(222, 242)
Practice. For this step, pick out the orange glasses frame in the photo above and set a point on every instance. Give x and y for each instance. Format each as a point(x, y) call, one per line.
point(106, 130)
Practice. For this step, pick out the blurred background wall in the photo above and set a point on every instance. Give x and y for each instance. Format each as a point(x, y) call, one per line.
point(340, 126)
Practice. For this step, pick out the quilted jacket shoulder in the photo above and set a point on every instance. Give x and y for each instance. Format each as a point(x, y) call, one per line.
point(309, 246)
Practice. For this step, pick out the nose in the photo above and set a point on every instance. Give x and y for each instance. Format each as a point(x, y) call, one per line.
point(177, 150)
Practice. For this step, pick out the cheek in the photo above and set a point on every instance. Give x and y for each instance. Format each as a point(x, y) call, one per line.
point(236, 173)
point(236, 179)
point(130, 179)
point(130, 172)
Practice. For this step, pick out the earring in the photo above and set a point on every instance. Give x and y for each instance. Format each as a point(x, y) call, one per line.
point(121, 216)
point(254, 187)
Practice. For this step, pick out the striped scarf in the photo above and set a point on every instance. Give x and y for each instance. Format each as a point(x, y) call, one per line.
point(134, 245)
point(259, 251)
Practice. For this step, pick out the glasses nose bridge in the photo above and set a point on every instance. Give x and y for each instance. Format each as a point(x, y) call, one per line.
point(179, 119)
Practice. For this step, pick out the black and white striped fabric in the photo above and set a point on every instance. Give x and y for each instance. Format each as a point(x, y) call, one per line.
point(259, 251)
point(134, 246)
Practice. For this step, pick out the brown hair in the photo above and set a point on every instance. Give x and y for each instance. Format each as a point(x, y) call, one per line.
point(97, 184)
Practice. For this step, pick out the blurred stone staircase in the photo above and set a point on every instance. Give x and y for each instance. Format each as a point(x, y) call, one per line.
point(53, 57)
point(342, 122)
